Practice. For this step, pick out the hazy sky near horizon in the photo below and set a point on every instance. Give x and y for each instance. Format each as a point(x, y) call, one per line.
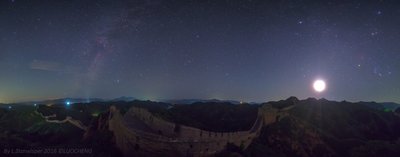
point(246, 50)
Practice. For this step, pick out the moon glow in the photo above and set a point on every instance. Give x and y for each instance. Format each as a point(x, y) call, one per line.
point(319, 85)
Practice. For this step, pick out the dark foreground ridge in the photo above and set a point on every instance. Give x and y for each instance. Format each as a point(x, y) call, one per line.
point(291, 127)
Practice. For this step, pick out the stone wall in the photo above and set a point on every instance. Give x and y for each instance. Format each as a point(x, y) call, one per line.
point(271, 115)
point(173, 139)
point(69, 119)
point(170, 129)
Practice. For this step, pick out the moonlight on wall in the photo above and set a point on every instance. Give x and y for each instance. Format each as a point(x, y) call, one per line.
point(319, 85)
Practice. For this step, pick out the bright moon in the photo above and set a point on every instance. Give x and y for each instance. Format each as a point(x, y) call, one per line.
point(319, 85)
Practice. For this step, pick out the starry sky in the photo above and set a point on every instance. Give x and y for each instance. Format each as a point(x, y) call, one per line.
point(168, 49)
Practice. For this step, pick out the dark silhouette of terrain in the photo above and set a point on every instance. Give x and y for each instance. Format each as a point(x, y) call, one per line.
point(313, 128)
point(327, 128)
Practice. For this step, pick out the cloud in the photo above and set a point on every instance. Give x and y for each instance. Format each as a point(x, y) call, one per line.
point(45, 65)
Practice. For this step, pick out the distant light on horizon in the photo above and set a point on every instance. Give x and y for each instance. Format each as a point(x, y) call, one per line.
point(68, 103)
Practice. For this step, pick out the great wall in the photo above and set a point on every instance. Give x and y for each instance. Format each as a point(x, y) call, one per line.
point(68, 119)
point(138, 132)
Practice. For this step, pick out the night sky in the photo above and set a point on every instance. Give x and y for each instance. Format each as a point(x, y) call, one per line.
point(241, 50)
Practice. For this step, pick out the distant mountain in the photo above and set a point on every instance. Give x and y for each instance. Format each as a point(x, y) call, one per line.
point(79, 100)
point(285, 103)
point(373, 105)
point(390, 105)
point(124, 98)
point(191, 101)
point(64, 100)
point(385, 106)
